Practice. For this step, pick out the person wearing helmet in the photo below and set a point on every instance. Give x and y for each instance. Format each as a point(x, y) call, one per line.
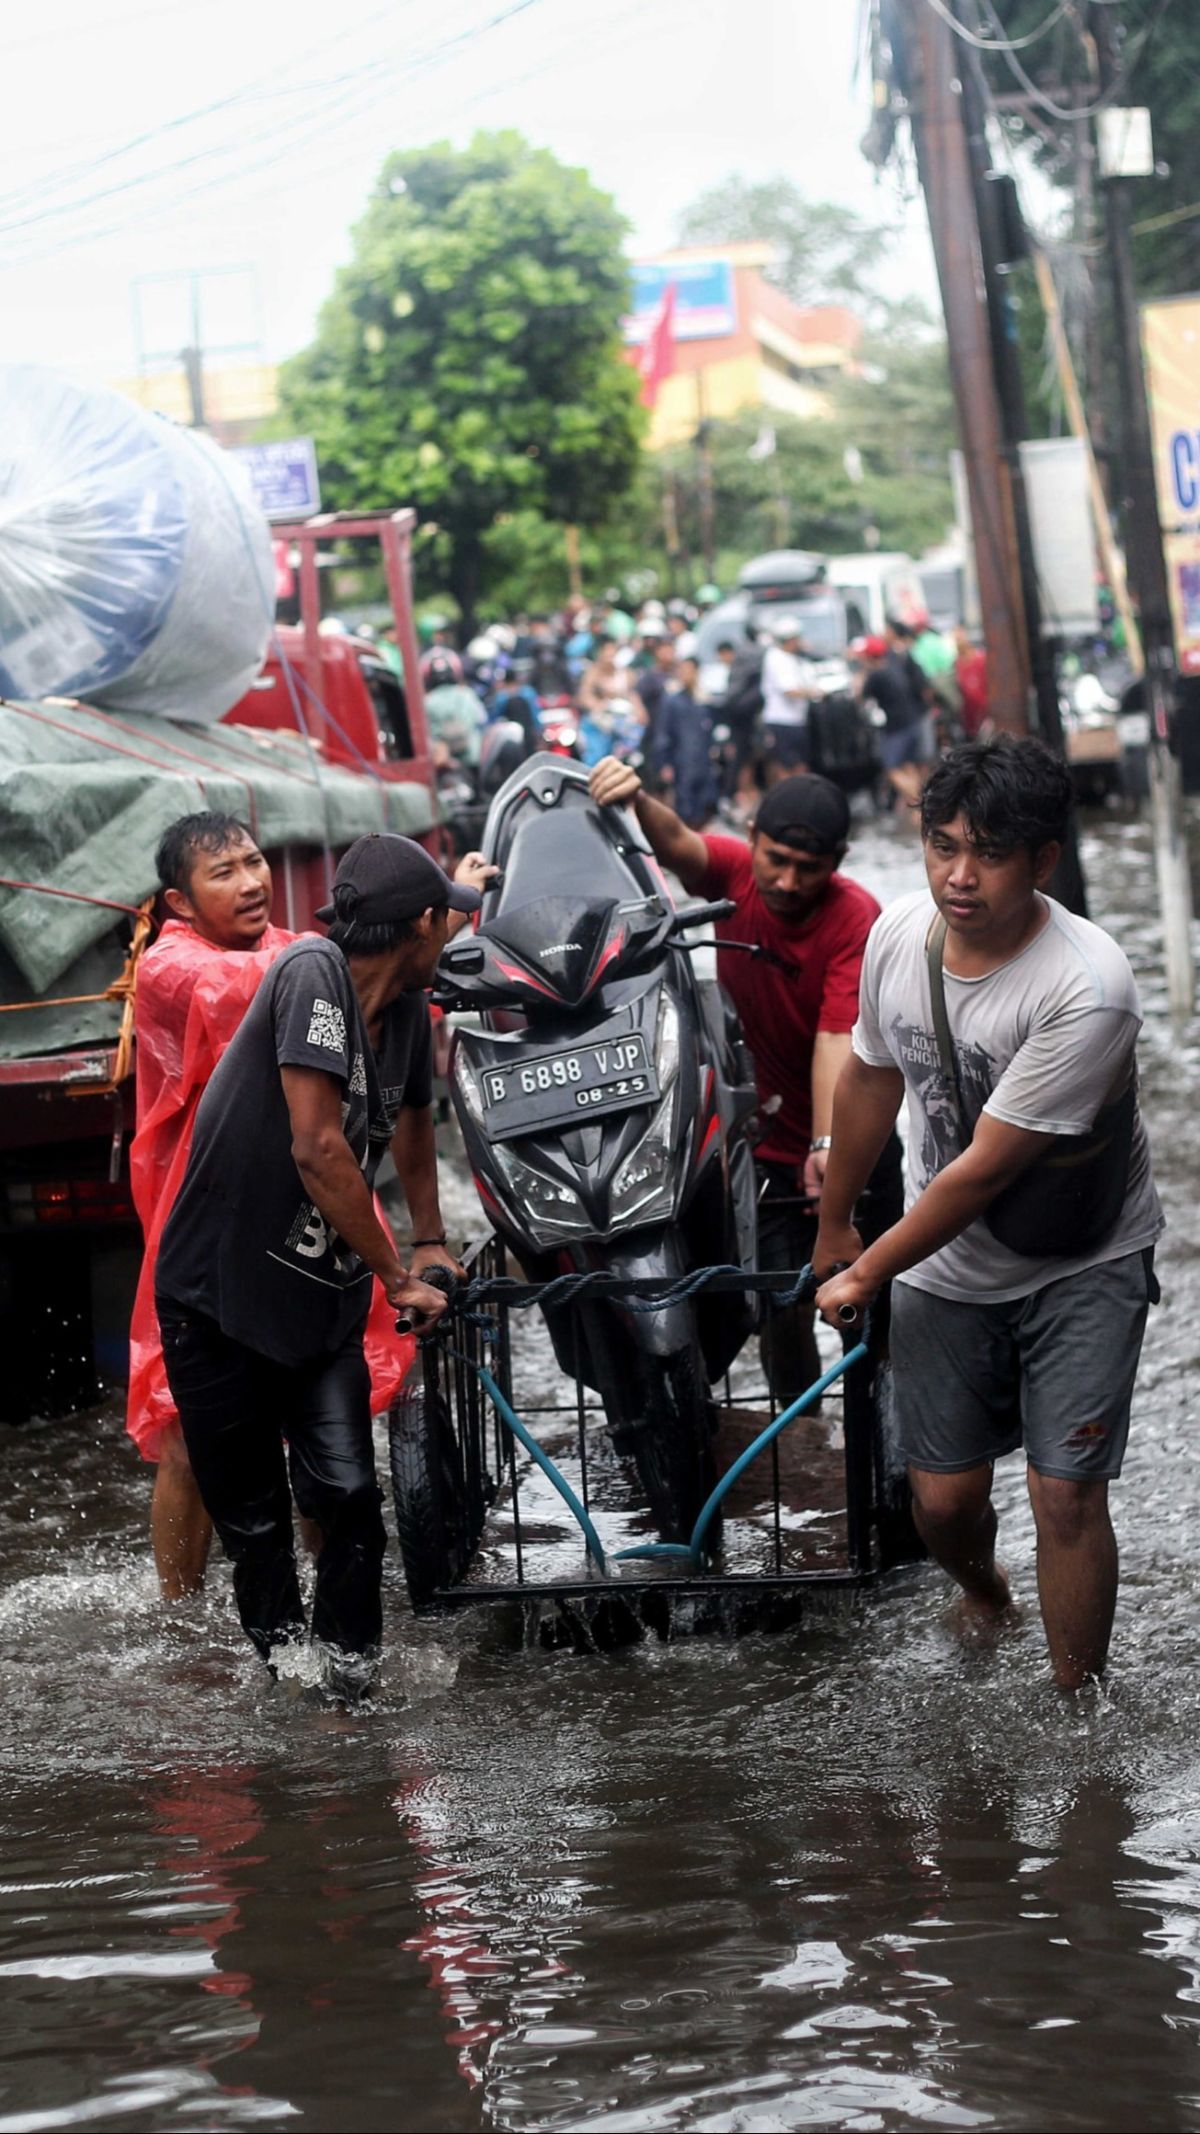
point(708, 597)
point(787, 688)
point(453, 713)
point(440, 665)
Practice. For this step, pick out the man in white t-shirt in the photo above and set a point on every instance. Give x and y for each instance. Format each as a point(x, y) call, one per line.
point(993, 1348)
point(787, 685)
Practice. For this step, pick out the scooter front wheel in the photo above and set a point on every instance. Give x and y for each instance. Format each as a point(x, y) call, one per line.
point(671, 1439)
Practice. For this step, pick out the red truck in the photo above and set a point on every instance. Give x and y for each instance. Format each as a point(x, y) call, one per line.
point(328, 721)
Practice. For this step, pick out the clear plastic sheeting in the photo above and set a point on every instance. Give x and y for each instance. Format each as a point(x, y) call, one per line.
point(135, 568)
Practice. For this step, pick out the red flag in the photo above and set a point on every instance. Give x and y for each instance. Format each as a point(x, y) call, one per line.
point(656, 357)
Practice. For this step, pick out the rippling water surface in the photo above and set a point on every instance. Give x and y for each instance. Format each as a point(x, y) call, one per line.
point(853, 1876)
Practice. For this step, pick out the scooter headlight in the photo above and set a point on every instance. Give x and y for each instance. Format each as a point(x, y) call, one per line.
point(551, 1210)
point(644, 1187)
point(666, 1040)
point(466, 1082)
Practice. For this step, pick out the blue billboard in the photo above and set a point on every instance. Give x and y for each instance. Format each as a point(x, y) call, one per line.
point(704, 302)
point(283, 477)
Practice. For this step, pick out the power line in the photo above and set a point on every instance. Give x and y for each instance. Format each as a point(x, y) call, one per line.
point(266, 85)
point(1003, 44)
point(314, 124)
point(376, 77)
point(1071, 112)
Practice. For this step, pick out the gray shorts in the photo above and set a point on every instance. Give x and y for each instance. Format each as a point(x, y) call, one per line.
point(1053, 1371)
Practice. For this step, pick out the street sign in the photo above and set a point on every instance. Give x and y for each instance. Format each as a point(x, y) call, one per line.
point(283, 477)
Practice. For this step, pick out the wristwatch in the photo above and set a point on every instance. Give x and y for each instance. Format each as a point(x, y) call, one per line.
point(818, 1147)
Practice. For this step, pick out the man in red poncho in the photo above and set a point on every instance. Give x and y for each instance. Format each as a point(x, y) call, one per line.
point(194, 987)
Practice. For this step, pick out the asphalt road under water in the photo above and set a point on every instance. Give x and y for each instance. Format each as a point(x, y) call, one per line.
point(854, 1876)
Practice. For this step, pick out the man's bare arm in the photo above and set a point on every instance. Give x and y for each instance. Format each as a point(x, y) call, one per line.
point(684, 851)
point(414, 1152)
point(951, 1202)
point(865, 1104)
point(330, 1175)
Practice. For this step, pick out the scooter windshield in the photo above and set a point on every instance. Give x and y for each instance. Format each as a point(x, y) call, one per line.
point(549, 851)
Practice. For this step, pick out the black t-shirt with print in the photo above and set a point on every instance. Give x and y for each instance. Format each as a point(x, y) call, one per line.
point(244, 1243)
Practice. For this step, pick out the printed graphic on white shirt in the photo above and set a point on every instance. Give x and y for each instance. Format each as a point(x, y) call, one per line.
point(916, 1052)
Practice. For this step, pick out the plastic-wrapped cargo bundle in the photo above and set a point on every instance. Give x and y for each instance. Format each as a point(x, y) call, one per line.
point(135, 568)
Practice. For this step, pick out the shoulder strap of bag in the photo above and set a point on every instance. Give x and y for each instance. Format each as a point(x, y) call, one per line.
point(935, 945)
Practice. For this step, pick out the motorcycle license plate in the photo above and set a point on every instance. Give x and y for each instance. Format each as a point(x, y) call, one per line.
point(568, 1088)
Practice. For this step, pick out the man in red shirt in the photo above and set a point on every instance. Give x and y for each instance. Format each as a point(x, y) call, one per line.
point(796, 992)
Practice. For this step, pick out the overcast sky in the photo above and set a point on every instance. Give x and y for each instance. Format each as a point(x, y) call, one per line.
point(240, 137)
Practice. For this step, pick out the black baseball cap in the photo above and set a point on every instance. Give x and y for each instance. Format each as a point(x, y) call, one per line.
point(384, 877)
point(809, 813)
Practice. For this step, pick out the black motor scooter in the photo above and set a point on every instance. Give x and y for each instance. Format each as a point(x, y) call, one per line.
point(606, 1100)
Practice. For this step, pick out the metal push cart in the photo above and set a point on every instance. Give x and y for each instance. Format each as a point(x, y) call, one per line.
point(822, 1513)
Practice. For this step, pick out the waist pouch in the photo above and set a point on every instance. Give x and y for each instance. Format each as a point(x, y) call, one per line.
point(1072, 1196)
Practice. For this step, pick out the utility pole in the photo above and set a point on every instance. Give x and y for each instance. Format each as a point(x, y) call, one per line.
point(704, 476)
point(928, 62)
point(1001, 241)
point(1147, 567)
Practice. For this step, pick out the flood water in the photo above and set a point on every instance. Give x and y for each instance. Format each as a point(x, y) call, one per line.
point(851, 1876)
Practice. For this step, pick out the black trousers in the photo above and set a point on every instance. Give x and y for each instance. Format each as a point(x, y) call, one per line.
point(236, 1407)
point(787, 1232)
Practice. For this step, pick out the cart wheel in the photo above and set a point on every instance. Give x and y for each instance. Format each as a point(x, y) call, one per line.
point(898, 1539)
point(426, 1495)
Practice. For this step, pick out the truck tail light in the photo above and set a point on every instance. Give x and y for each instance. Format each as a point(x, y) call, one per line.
point(39, 1203)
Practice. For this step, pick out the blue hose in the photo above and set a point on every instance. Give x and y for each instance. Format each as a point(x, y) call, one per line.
point(692, 1551)
point(543, 1460)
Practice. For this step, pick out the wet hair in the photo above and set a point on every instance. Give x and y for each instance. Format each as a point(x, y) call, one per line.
point(181, 841)
point(1010, 793)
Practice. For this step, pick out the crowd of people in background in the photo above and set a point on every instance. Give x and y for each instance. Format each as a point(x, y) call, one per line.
point(713, 718)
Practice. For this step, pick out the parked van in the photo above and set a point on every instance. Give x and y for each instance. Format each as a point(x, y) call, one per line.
point(879, 583)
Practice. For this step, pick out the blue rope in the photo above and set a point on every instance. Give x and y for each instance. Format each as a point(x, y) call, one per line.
point(569, 1288)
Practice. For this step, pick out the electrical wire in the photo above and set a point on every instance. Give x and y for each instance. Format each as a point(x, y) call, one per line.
point(315, 122)
point(1003, 44)
point(322, 171)
point(260, 90)
point(263, 83)
point(1071, 112)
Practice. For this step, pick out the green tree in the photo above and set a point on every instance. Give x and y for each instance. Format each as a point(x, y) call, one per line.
point(823, 251)
point(898, 414)
point(468, 360)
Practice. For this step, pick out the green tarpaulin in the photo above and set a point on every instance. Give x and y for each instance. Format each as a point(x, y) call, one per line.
point(84, 798)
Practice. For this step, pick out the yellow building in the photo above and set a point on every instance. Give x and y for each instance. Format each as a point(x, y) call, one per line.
point(738, 342)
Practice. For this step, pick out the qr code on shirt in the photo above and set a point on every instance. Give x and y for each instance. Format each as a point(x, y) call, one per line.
point(327, 1027)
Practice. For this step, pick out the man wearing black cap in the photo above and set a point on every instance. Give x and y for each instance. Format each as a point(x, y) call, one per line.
point(265, 1265)
point(796, 995)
